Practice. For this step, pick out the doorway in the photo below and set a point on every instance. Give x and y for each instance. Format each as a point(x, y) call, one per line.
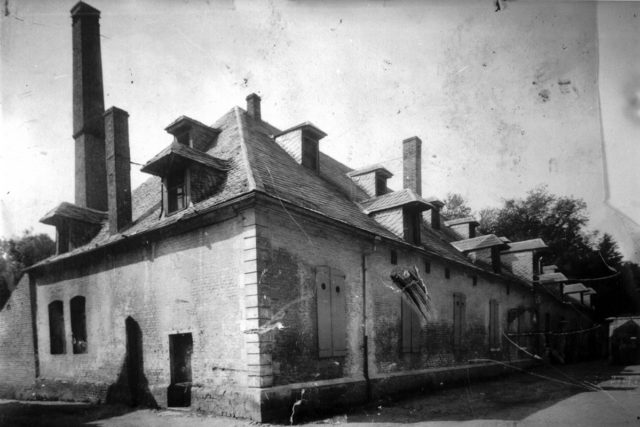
point(180, 351)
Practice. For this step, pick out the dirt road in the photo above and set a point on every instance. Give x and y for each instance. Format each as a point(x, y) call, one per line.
point(588, 394)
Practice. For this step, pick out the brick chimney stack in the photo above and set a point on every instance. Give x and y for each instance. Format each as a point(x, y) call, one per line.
point(253, 106)
point(88, 108)
point(412, 164)
point(116, 125)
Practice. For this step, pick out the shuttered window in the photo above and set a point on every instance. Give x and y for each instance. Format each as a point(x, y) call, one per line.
point(494, 325)
point(411, 327)
point(330, 288)
point(459, 308)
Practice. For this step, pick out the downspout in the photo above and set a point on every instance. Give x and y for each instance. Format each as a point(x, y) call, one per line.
point(365, 338)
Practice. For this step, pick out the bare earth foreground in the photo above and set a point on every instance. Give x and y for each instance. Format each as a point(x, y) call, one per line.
point(587, 394)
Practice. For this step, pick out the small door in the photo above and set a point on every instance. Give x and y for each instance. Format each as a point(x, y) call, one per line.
point(180, 350)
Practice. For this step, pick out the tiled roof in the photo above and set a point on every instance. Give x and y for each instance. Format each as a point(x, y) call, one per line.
point(526, 245)
point(458, 221)
point(477, 243)
point(70, 211)
point(159, 164)
point(254, 161)
point(394, 199)
point(371, 168)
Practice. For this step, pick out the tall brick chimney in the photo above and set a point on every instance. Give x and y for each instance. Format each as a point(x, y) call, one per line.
point(116, 127)
point(412, 164)
point(253, 106)
point(88, 108)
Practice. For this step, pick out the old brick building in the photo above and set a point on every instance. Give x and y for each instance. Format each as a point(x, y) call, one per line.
point(251, 270)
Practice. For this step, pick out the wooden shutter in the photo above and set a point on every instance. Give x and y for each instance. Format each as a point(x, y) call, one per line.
point(458, 318)
point(405, 312)
point(323, 291)
point(494, 325)
point(338, 313)
point(416, 328)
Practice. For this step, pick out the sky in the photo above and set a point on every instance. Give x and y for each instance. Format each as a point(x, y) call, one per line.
point(538, 93)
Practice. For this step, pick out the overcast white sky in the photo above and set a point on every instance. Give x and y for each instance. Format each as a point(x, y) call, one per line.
point(503, 101)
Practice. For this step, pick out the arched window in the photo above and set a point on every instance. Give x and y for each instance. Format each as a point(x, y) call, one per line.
point(56, 327)
point(78, 325)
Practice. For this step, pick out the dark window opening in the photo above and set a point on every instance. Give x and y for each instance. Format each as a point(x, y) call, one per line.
point(427, 267)
point(56, 327)
point(475, 280)
point(447, 273)
point(176, 191)
point(412, 221)
point(78, 325)
point(184, 139)
point(381, 185)
point(310, 153)
point(394, 257)
point(180, 351)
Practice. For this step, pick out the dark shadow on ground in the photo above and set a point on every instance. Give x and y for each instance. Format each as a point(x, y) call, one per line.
point(24, 414)
point(513, 397)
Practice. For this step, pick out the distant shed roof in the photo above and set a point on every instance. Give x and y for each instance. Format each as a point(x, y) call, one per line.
point(527, 245)
point(552, 277)
point(480, 242)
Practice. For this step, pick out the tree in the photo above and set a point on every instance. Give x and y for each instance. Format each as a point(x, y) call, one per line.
point(455, 206)
point(18, 253)
point(561, 222)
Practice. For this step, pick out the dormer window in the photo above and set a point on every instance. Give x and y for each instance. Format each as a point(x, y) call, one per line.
point(412, 221)
point(176, 191)
point(188, 174)
point(75, 225)
point(310, 154)
point(302, 143)
point(372, 179)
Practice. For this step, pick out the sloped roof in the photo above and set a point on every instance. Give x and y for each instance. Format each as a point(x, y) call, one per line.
point(526, 245)
point(477, 243)
point(458, 221)
point(255, 162)
point(403, 197)
point(371, 168)
point(574, 287)
point(70, 211)
point(552, 277)
point(177, 152)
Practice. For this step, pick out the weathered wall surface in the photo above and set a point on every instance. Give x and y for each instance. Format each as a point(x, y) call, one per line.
point(17, 361)
point(188, 283)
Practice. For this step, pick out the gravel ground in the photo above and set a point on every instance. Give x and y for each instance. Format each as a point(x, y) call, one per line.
point(587, 394)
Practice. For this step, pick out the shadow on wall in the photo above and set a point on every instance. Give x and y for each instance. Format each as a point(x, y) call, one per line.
point(132, 387)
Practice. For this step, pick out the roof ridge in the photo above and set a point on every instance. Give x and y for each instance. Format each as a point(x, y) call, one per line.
point(245, 151)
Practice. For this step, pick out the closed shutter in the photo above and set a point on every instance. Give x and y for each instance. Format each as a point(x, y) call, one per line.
point(494, 325)
point(405, 310)
point(415, 330)
point(458, 318)
point(338, 313)
point(323, 290)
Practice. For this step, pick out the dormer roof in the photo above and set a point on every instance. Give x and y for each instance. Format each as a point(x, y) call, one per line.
point(478, 243)
point(69, 211)
point(306, 126)
point(460, 221)
point(181, 155)
point(377, 168)
point(537, 245)
point(404, 197)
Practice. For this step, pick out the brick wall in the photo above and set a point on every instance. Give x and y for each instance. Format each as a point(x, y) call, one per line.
point(189, 283)
point(17, 361)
